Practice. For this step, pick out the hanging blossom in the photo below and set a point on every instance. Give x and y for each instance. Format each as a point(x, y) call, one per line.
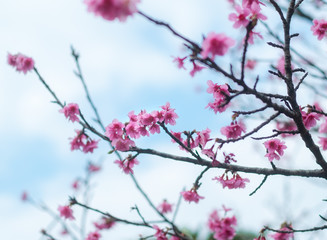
point(201, 139)
point(66, 212)
point(310, 119)
point(319, 28)
point(275, 149)
point(165, 207)
point(93, 236)
point(83, 142)
point(283, 236)
point(71, 111)
point(220, 94)
point(196, 68)
point(21, 62)
point(240, 18)
point(234, 130)
point(232, 183)
point(222, 227)
point(160, 234)
point(191, 196)
point(216, 44)
point(180, 62)
point(127, 164)
point(112, 9)
point(323, 142)
point(104, 223)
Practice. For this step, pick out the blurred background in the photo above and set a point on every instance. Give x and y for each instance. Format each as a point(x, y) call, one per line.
point(129, 66)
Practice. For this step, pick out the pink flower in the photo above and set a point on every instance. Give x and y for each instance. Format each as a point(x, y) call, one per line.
point(92, 168)
point(240, 18)
point(223, 228)
point(127, 164)
point(220, 94)
point(232, 183)
point(229, 157)
point(196, 68)
point(169, 114)
point(202, 137)
point(283, 236)
point(216, 44)
point(319, 28)
point(323, 143)
point(323, 126)
point(256, 12)
point(275, 149)
point(310, 119)
point(250, 64)
point(66, 212)
point(191, 196)
point(123, 144)
point(251, 36)
point(286, 126)
point(160, 234)
point(114, 130)
point(71, 111)
point(24, 196)
point(165, 207)
point(112, 9)
point(234, 130)
point(248, 3)
point(90, 146)
point(21, 62)
point(93, 236)
point(76, 185)
point(180, 62)
point(104, 223)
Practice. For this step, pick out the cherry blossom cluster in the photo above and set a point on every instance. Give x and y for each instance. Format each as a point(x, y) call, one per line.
point(66, 212)
point(21, 62)
point(83, 142)
point(222, 227)
point(127, 164)
point(142, 124)
point(236, 181)
point(180, 64)
point(319, 28)
point(162, 234)
point(112, 9)
point(71, 111)
point(191, 195)
point(275, 149)
point(221, 96)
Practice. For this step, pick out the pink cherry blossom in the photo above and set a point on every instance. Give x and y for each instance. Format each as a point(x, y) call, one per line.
point(76, 185)
point(319, 28)
point(104, 223)
point(283, 236)
point(24, 196)
point(250, 64)
point(253, 34)
point(216, 44)
point(93, 236)
point(169, 114)
point(127, 164)
point(191, 196)
point(248, 3)
point(123, 144)
point(286, 126)
point(196, 68)
point(256, 12)
point(203, 137)
point(275, 149)
point(229, 158)
point(66, 212)
point(180, 62)
point(223, 228)
point(21, 62)
point(310, 119)
point(165, 207)
point(323, 142)
point(92, 168)
point(71, 111)
point(160, 234)
point(90, 145)
point(220, 94)
point(112, 9)
point(234, 130)
point(240, 18)
point(114, 130)
point(323, 126)
point(232, 183)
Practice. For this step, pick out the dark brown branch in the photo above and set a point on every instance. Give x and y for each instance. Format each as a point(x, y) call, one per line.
point(297, 230)
point(318, 173)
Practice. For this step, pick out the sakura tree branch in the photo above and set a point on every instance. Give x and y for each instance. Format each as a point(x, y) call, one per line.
point(318, 173)
point(45, 233)
point(297, 230)
point(261, 184)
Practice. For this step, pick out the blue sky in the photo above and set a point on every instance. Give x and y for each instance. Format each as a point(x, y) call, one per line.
point(127, 66)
